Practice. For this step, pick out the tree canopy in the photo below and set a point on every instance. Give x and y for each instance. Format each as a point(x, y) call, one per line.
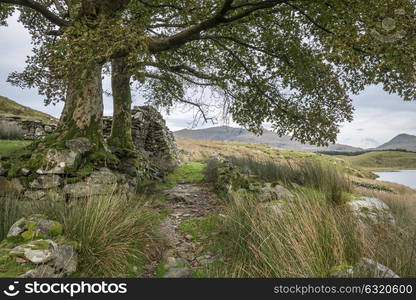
point(292, 64)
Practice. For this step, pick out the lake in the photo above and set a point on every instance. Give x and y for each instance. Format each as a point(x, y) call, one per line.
point(405, 177)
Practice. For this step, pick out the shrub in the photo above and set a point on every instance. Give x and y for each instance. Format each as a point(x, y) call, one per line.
point(211, 169)
point(10, 131)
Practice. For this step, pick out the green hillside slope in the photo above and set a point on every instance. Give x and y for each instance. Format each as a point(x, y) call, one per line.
point(10, 108)
point(383, 160)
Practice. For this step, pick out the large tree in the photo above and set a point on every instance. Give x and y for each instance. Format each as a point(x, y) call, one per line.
point(289, 63)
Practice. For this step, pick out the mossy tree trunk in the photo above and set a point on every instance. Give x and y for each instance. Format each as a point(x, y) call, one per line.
point(121, 140)
point(83, 110)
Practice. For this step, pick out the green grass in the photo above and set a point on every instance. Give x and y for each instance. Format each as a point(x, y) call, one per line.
point(10, 108)
point(189, 173)
point(112, 232)
point(7, 147)
point(161, 269)
point(208, 232)
point(200, 228)
point(9, 213)
point(382, 160)
point(9, 268)
point(315, 233)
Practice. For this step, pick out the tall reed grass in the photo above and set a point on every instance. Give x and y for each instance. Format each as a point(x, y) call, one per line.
point(9, 214)
point(112, 230)
point(307, 239)
point(10, 131)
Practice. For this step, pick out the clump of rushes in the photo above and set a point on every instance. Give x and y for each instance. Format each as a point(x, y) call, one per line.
point(111, 231)
point(10, 131)
point(9, 213)
point(308, 238)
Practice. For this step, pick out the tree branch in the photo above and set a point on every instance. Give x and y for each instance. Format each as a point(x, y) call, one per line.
point(248, 72)
point(183, 67)
point(193, 32)
point(180, 99)
point(160, 5)
point(321, 27)
point(250, 46)
point(60, 8)
point(44, 11)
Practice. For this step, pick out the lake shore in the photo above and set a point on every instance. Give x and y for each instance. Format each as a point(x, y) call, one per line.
point(403, 177)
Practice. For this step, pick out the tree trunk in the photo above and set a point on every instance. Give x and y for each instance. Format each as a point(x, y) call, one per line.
point(121, 140)
point(83, 111)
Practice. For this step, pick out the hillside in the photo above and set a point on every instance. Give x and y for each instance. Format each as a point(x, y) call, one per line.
point(226, 133)
point(382, 160)
point(9, 108)
point(201, 150)
point(402, 141)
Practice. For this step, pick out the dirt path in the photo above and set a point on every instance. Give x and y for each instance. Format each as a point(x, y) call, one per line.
point(185, 201)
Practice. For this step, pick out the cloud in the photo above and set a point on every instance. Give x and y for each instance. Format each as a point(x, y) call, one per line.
point(15, 47)
point(378, 116)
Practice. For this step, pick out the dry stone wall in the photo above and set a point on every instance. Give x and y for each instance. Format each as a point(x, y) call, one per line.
point(27, 129)
point(152, 137)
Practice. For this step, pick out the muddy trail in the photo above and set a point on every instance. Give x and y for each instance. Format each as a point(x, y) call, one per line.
point(182, 254)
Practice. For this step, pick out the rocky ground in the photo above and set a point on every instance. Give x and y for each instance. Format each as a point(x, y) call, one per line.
point(181, 253)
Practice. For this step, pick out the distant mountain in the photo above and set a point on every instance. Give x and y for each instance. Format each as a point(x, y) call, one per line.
point(402, 141)
point(226, 133)
point(9, 108)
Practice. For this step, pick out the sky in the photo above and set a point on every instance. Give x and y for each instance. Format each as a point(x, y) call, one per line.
point(378, 116)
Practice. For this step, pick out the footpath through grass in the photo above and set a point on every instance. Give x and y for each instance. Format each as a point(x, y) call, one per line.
point(189, 173)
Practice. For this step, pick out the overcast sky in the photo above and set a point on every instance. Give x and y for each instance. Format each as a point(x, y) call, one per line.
point(378, 116)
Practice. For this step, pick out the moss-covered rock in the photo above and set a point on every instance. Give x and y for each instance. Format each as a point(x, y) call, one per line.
point(37, 252)
point(56, 229)
point(35, 247)
point(371, 209)
point(35, 227)
point(230, 179)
